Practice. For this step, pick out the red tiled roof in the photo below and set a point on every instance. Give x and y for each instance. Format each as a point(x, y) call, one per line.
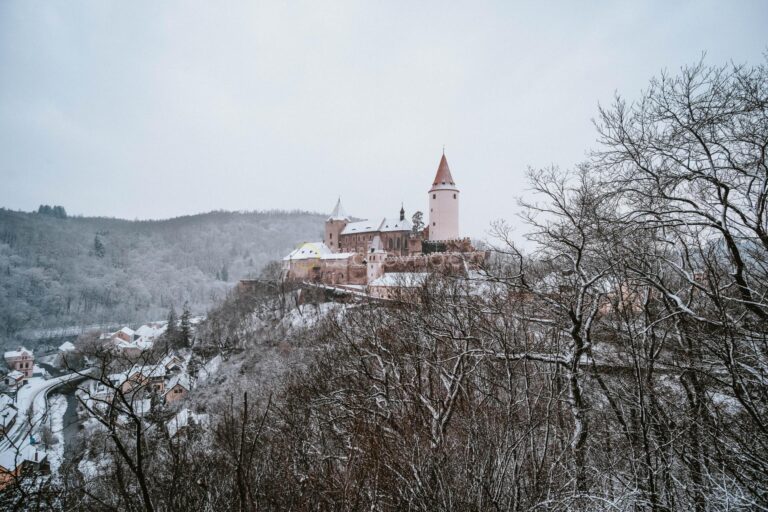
point(443, 176)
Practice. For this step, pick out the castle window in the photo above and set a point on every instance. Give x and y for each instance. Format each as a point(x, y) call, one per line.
point(434, 224)
point(434, 196)
point(331, 235)
point(454, 196)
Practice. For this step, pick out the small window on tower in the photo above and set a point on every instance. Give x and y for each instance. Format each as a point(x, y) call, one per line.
point(434, 196)
point(454, 196)
point(433, 224)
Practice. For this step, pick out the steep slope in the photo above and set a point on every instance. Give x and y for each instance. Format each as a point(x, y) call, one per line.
point(87, 270)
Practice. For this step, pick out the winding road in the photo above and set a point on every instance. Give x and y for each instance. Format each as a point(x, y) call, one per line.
point(32, 404)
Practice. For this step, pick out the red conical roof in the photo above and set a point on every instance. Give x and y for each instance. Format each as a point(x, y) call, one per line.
point(443, 176)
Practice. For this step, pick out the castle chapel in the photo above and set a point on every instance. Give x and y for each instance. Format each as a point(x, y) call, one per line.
point(374, 252)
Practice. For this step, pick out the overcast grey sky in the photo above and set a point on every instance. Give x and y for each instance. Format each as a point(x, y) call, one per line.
point(149, 109)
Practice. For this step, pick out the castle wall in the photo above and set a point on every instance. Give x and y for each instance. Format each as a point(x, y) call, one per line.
point(353, 270)
point(450, 263)
point(334, 271)
point(394, 242)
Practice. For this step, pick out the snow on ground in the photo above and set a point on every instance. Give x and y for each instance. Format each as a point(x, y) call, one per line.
point(30, 393)
point(57, 406)
point(307, 315)
point(49, 359)
point(208, 369)
point(93, 469)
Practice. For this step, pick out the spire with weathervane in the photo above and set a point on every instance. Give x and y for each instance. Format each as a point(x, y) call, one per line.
point(338, 212)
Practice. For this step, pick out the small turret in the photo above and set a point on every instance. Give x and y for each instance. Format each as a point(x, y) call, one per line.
point(402, 212)
point(375, 259)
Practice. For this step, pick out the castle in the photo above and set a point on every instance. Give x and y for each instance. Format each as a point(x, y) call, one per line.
point(386, 253)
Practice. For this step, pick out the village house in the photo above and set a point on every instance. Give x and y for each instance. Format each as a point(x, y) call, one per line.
point(166, 379)
point(14, 380)
point(21, 360)
point(15, 463)
point(124, 334)
point(8, 413)
point(178, 388)
point(173, 363)
point(132, 343)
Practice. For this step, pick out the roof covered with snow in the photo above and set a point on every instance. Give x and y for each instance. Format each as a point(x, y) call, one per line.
point(140, 344)
point(395, 225)
point(152, 330)
point(66, 347)
point(337, 256)
point(5, 401)
point(11, 459)
point(376, 244)
point(308, 250)
point(15, 375)
point(384, 225)
point(7, 416)
point(179, 380)
point(362, 226)
point(338, 212)
point(18, 353)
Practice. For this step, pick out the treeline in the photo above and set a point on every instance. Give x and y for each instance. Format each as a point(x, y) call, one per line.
point(54, 211)
point(58, 270)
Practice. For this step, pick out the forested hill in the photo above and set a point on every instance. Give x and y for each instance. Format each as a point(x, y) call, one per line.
point(57, 271)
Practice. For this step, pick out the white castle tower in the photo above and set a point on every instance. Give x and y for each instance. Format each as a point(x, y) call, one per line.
point(443, 205)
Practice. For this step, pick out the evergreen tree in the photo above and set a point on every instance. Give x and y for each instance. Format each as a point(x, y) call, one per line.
point(172, 332)
point(54, 211)
point(98, 247)
point(224, 273)
point(185, 329)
